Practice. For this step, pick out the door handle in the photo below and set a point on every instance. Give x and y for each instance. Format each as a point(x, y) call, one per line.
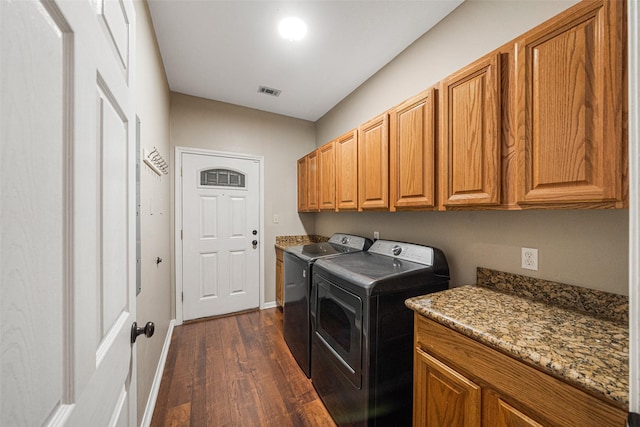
point(148, 330)
point(254, 243)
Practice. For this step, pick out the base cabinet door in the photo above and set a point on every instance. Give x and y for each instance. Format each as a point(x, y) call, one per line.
point(442, 396)
point(498, 413)
point(279, 277)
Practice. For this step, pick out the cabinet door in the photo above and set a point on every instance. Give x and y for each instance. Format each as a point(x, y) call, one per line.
point(302, 184)
point(443, 397)
point(327, 176)
point(279, 277)
point(571, 103)
point(470, 146)
point(347, 171)
point(312, 181)
point(412, 153)
point(498, 413)
point(373, 164)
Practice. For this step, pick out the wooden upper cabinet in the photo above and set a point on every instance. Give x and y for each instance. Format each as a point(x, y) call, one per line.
point(412, 153)
point(347, 171)
point(373, 164)
point(327, 176)
point(571, 144)
point(312, 181)
point(471, 135)
point(308, 183)
point(302, 184)
point(442, 396)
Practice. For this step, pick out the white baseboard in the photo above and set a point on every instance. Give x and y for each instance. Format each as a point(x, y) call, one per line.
point(270, 304)
point(155, 387)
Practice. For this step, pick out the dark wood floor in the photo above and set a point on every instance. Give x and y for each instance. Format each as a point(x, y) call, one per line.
point(236, 371)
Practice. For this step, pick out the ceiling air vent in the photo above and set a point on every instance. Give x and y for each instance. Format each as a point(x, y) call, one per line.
point(269, 91)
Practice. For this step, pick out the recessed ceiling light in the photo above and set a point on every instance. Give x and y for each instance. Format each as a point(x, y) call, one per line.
point(292, 28)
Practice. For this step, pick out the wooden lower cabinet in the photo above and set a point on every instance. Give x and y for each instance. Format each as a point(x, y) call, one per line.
point(279, 277)
point(501, 414)
point(460, 382)
point(442, 396)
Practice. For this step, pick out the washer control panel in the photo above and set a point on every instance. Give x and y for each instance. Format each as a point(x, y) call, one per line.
point(349, 240)
point(404, 251)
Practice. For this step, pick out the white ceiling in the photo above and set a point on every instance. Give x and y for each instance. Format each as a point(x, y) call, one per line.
point(225, 50)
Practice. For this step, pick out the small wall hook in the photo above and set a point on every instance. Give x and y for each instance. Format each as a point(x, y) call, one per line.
point(158, 260)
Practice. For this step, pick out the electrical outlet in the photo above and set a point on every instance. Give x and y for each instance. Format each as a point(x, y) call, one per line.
point(376, 235)
point(276, 219)
point(530, 259)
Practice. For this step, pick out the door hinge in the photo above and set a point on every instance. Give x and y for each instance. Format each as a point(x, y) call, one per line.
point(182, 296)
point(180, 234)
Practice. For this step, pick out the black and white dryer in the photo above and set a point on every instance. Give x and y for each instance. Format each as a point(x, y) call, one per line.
point(362, 333)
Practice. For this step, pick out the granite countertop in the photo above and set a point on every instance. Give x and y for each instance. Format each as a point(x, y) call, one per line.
point(589, 350)
point(282, 242)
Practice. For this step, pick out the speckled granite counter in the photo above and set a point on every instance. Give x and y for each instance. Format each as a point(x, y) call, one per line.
point(282, 242)
point(586, 350)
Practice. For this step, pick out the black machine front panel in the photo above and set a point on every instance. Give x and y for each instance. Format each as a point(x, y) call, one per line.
point(338, 320)
point(298, 266)
point(384, 397)
point(296, 327)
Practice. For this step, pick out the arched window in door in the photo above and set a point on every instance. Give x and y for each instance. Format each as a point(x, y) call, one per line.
point(222, 178)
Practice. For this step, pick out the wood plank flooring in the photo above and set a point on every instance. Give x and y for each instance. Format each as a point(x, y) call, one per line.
point(236, 371)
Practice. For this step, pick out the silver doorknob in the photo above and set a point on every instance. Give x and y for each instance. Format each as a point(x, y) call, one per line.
point(148, 331)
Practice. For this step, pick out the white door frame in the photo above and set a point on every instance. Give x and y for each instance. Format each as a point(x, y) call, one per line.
point(178, 217)
point(634, 204)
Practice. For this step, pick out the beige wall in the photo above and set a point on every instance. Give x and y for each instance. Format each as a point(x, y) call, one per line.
point(152, 107)
point(201, 123)
point(583, 248)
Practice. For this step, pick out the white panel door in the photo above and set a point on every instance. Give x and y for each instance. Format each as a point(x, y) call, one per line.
point(68, 213)
point(220, 218)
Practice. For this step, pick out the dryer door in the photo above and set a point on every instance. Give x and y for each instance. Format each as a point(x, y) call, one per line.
point(339, 328)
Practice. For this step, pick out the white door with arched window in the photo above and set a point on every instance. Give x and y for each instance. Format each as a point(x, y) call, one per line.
point(220, 234)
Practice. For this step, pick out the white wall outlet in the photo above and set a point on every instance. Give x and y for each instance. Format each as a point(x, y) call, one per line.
point(530, 259)
point(376, 235)
point(276, 219)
